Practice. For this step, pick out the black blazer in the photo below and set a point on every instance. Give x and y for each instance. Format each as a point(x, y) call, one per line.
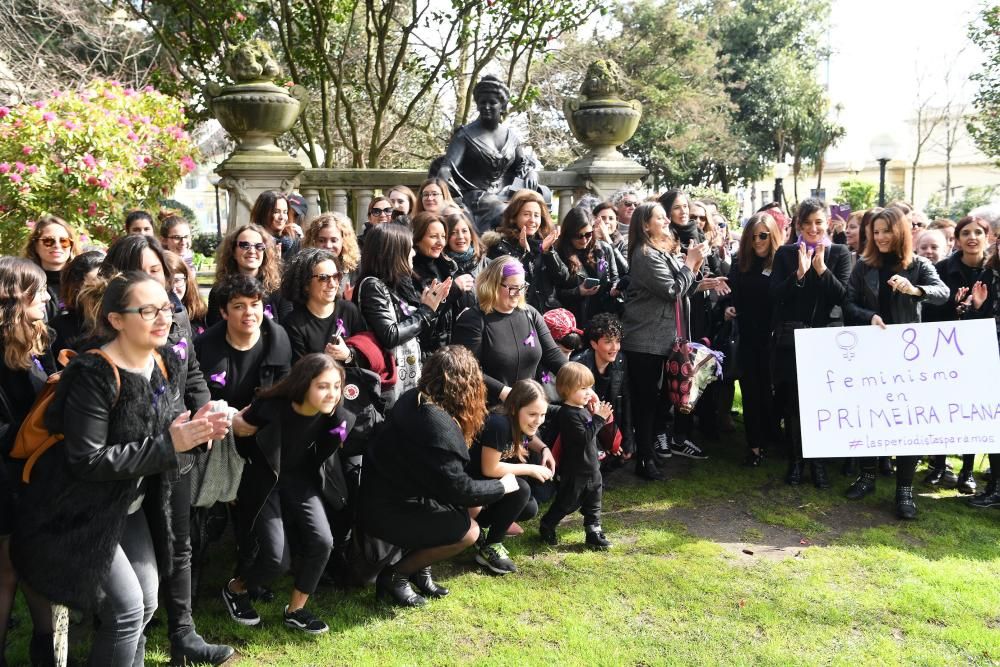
point(212, 349)
point(815, 301)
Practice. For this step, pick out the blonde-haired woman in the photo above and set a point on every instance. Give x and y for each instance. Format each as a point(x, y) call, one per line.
point(335, 232)
point(508, 335)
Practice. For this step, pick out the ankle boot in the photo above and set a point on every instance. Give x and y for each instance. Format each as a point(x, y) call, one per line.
point(646, 469)
point(794, 475)
point(905, 507)
point(423, 581)
point(990, 497)
point(863, 485)
point(191, 649)
point(391, 586)
point(819, 477)
point(40, 651)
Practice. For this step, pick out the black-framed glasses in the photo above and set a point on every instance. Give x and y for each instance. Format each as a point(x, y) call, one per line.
point(327, 277)
point(382, 211)
point(762, 236)
point(246, 245)
point(64, 242)
point(585, 236)
point(149, 312)
point(630, 204)
point(177, 238)
point(516, 290)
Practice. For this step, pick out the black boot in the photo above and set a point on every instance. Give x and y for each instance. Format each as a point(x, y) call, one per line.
point(40, 651)
point(819, 476)
point(990, 497)
point(850, 467)
point(794, 475)
point(885, 467)
point(191, 649)
point(863, 485)
point(646, 469)
point(966, 483)
point(423, 581)
point(905, 507)
point(391, 586)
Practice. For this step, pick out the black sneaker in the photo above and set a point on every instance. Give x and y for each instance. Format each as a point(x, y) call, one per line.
point(302, 619)
point(988, 498)
point(661, 446)
point(496, 559)
point(597, 540)
point(239, 606)
point(688, 449)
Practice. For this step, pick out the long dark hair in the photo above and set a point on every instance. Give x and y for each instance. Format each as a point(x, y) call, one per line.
point(637, 235)
point(125, 254)
point(575, 220)
point(746, 252)
point(452, 379)
point(524, 392)
point(295, 386)
point(263, 210)
point(902, 239)
point(74, 274)
point(386, 254)
point(115, 292)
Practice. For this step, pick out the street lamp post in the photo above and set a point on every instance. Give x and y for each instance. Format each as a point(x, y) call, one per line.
point(883, 149)
point(780, 173)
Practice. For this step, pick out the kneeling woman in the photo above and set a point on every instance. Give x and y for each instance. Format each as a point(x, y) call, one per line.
point(298, 426)
point(887, 286)
point(415, 492)
point(502, 448)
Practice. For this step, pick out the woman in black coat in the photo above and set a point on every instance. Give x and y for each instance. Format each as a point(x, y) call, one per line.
point(416, 491)
point(508, 336)
point(586, 260)
point(25, 364)
point(889, 285)
point(81, 537)
point(808, 287)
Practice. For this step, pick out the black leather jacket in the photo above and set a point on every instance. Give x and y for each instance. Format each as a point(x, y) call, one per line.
point(425, 271)
point(385, 315)
point(862, 293)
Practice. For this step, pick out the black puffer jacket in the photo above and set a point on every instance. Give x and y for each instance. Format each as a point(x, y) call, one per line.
point(544, 271)
point(72, 514)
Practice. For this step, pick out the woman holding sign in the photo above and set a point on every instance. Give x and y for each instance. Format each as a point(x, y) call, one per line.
point(808, 285)
point(889, 284)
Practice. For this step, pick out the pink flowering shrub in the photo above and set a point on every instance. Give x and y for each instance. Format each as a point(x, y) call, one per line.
point(88, 157)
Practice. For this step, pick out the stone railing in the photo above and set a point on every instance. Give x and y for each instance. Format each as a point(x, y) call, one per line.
point(350, 191)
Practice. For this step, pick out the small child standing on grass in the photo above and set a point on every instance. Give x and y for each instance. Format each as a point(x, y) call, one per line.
point(580, 418)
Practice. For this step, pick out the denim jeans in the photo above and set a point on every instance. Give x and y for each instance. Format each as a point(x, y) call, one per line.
point(130, 598)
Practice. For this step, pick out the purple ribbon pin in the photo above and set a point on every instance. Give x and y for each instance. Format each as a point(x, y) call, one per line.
point(341, 331)
point(602, 265)
point(219, 378)
point(340, 431)
point(181, 349)
point(530, 340)
point(38, 364)
point(269, 312)
point(547, 378)
point(406, 308)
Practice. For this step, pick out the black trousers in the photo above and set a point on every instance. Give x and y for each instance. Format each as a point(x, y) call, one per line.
point(968, 461)
point(650, 406)
point(497, 517)
point(296, 509)
point(177, 586)
point(786, 398)
point(906, 467)
point(577, 493)
point(760, 422)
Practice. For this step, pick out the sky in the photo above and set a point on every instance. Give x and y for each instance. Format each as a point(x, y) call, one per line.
point(879, 47)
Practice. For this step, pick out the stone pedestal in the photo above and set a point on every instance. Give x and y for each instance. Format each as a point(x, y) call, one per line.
point(604, 174)
point(245, 174)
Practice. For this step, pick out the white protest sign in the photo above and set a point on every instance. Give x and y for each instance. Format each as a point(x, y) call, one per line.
point(909, 389)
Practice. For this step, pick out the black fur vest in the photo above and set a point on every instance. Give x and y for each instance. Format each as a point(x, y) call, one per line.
point(67, 528)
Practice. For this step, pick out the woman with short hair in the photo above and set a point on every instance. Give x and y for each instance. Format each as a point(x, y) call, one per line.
point(432, 196)
point(402, 199)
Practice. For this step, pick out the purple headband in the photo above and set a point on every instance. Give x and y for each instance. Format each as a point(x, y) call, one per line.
point(512, 269)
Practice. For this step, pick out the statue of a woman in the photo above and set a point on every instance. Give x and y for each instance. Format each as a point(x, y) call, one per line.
point(485, 157)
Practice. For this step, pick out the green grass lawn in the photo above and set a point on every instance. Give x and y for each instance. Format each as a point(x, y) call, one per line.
point(717, 565)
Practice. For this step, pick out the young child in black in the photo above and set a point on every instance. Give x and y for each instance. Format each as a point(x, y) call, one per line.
point(580, 418)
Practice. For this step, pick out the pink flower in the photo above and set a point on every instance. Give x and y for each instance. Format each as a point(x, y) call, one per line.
point(4, 167)
point(84, 238)
point(240, 16)
point(27, 150)
point(48, 116)
point(92, 180)
point(15, 178)
point(19, 166)
point(145, 120)
point(104, 183)
point(116, 84)
point(187, 164)
point(130, 91)
point(70, 125)
point(124, 120)
point(32, 169)
point(109, 95)
point(149, 89)
point(4, 111)
point(89, 160)
point(175, 132)
point(132, 136)
point(67, 170)
point(38, 104)
point(92, 209)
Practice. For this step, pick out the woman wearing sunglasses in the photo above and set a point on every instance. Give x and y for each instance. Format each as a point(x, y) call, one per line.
point(590, 267)
point(507, 335)
point(52, 245)
point(249, 250)
point(379, 212)
point(750, 305)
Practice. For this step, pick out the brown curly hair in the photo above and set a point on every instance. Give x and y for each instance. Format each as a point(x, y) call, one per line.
point(20, 280)
point(350, 254)
point(31, 247)
point(452, 380)
point(269, 272)
point(508, 223)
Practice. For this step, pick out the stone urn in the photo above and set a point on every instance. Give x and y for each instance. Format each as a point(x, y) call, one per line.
point(254, 110)
point(600, 119)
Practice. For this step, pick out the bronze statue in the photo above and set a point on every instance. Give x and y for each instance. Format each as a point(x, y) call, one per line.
point(485, 160)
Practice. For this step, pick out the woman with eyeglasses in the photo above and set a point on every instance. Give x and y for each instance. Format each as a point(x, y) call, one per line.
point(249, 250)
point(175, 234)
point(184, 286)
point(506, 334)
point(270, 212)
point(335, 232)
point(52, 245)
point(750, 306)
point(90, 517)
point(593, 271)
point(432, 196)
point(321, 320)
point(25, 364)
point(393, 309)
